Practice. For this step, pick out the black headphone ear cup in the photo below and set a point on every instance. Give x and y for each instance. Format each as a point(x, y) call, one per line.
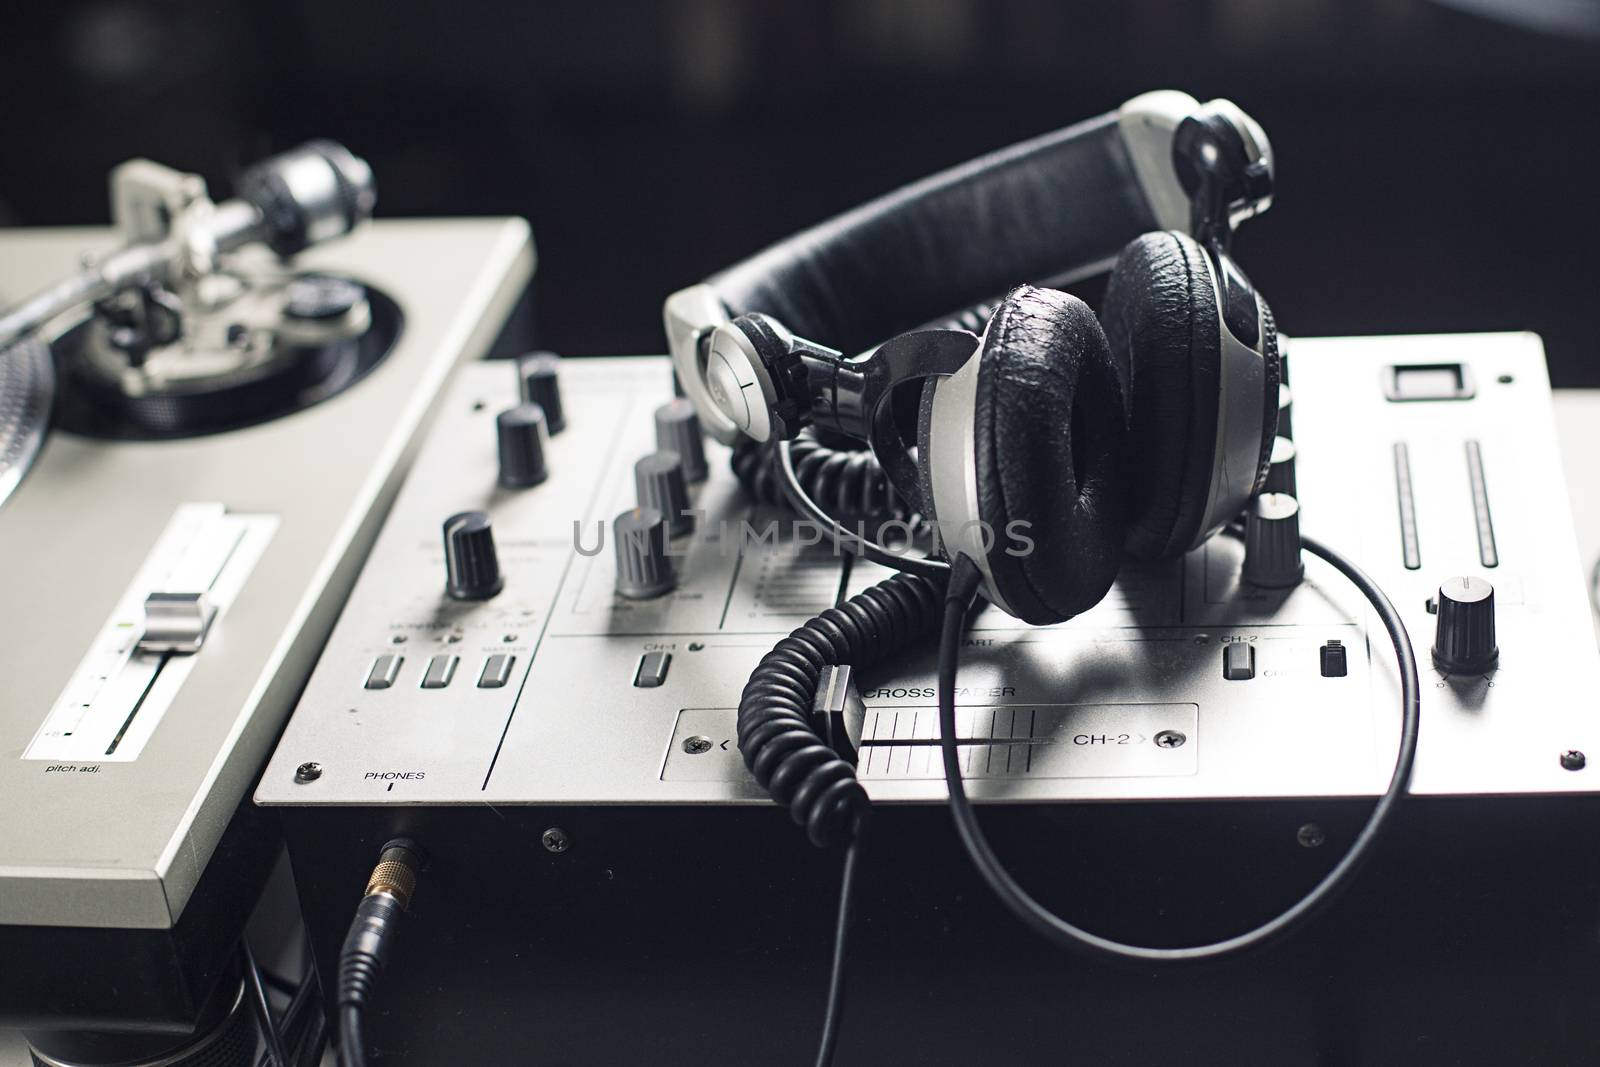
point(1049, 435)
point(1160, 316)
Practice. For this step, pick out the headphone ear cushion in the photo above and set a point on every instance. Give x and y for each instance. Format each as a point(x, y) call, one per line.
point(925, 450)
point(1160, 315)
point(1050, 428)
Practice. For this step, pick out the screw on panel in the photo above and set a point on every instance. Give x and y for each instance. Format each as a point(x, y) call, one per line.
point(1573, 760)
point(1310, 835)
point(307, 772)
point(555, 840)
point(1170, 739)
point(696, 745)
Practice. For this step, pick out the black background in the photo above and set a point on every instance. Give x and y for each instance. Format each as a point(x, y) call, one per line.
point(1436, 166)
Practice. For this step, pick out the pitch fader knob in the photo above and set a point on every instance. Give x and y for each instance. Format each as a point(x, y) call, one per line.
point(538, 377)
point(643, 569)
point(658, 478)
point(678, 430)
point(522, 436)
point(472, 569)
point(1464, 639)
point(1280, 472)
point(1272, 542)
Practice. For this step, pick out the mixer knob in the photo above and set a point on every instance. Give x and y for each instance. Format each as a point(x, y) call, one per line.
point(538, 377)
point(472, 570)
point(1464, 640)
point(1272, 542)
point(658, 478)
point(1280, 472)
point(678, 430)
point(643, 569)
point(1285, 411)
point(522, 435)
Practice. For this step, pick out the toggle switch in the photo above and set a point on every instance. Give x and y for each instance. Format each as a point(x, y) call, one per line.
point(441, 669)
point(496, 671)
point(385, 669)
point(1238, 661)
point(1334, 659)
point(652, 672)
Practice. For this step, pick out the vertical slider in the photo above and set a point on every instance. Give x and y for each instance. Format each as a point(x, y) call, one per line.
point(1409, 547)
point(1488, 553)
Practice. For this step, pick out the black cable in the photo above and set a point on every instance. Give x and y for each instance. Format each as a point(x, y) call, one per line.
point(314, 1042)
point(352, 1046)
point(963, 586)
point(841, 934)
point(840, 473)
point(367, 943)
point(777, 737)
point(800, 499)
point(784, 751)
point(306, 994)
point(278, 982)
point(262, 1008)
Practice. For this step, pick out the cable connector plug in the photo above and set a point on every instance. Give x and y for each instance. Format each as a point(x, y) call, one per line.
point(388, 894)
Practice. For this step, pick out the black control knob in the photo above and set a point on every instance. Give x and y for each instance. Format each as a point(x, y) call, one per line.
point(643, 569)
point(522, 437)
point(1272, 542)
point(1285, 412)
point(678, 430)
point(658, 478)
point(538, 377)
point(472, 570)
point(1280, 472)
point(1463, 640)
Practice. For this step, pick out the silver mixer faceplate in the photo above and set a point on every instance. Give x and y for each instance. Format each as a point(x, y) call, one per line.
point(1066, 712)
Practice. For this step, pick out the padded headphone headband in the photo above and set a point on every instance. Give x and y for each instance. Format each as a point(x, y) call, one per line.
point(952, 240)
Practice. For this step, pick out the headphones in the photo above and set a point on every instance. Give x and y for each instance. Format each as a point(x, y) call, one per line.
point(1051, 444)
point(1140, 432)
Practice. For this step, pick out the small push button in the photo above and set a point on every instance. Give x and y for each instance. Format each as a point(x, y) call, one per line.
point(440, 670)
point(1335, 660)
point(385, 669)
point(652, 669)
point(1238, 661)
point(496, 671)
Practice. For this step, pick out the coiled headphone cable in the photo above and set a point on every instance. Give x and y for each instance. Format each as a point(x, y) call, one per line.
point(841, 475)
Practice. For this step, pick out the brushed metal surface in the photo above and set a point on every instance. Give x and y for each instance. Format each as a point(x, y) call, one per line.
point(997, 741)
point(124, 845)
point(571, 728)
